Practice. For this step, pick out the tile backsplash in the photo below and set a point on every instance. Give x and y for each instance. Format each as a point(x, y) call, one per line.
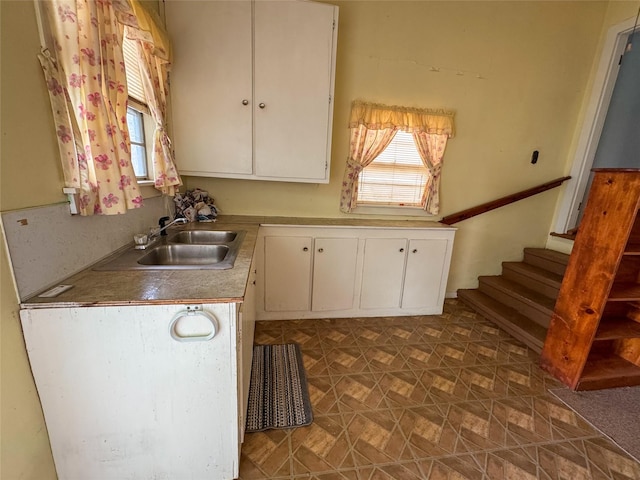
point(47, 244)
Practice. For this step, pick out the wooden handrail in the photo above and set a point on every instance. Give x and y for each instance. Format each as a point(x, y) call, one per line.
point(501, 202)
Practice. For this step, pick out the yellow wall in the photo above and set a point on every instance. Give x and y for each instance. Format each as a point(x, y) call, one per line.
point(534, 59)
point(29, 176)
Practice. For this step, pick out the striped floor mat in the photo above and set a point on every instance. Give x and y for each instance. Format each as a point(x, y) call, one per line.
point(278, 395)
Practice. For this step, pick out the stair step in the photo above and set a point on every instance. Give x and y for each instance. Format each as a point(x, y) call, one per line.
point(507, 318)
point(534, 278)
point(551, 260)
point(531, 304)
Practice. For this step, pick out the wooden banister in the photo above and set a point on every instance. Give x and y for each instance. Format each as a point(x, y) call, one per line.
point(501, 202)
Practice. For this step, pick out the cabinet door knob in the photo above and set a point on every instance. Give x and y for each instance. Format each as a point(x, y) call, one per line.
point(245, 102)
point(415, 250)
point(305, 249)
point(401, 250)
point(261, 105)
point(321, 250)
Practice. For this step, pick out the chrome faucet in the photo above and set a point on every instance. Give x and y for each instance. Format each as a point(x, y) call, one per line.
point(163, 227)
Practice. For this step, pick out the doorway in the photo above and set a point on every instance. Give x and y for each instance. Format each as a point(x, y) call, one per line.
point(607, 121)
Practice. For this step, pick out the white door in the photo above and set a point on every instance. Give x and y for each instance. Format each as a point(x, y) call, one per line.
point(383, 271)
point(287, 273)
point(293, 51)
point(423, 280)
point(211, 86)
point(123, 399)
point(334, 273)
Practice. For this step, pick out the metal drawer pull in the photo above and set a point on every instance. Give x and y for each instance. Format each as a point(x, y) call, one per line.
point(190, 313)
point(245, 102)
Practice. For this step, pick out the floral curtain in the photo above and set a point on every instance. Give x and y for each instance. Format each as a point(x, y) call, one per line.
point(431, 149)
point(366, 144)
point(373, 126)
point(89, 72)
point(155, 58)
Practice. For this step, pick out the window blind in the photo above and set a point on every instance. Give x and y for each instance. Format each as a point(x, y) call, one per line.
point(396, 177)
point(132, 69)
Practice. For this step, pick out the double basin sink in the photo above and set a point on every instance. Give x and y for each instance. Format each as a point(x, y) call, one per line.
point(186, 249)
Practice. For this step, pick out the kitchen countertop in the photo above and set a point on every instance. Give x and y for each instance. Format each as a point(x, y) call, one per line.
point(145, 287)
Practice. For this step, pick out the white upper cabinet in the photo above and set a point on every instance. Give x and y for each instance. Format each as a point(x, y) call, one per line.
point(252, 87)
point(211, 79)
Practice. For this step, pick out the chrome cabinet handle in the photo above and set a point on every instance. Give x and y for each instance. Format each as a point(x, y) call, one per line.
point(245, 102)
point(401, 250)
point(321, 250)
point(261, 105)
point(305, 249)
point(415, 250)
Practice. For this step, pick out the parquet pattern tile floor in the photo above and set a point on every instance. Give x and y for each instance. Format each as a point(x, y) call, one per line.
point(447, 396)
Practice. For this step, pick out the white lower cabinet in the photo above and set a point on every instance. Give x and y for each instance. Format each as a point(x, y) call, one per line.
point(333, 288)
point(316, 272)
point(383, 271)
point(301, 274)
point(139, 391)
point(425, 273)
point(287, 267)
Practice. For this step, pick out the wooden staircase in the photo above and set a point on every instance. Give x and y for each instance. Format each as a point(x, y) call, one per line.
point(521, 300)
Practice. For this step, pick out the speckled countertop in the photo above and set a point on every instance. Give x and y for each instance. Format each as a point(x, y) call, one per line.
point(143, 287)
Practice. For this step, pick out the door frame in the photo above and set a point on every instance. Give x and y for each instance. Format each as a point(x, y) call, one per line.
point(595, 114)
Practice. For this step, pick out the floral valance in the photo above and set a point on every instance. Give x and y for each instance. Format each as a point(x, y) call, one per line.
point(413, 120)
point(147, 29)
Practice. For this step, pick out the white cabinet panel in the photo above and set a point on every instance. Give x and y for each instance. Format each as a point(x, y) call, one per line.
point(294, 85)
point(334, 273)
point(251, 88)
point(246, 327)
point(287, 273)
point(423, 280)
point(352, 271)
point(383, 271)
point(123, 399)
point(211, 78)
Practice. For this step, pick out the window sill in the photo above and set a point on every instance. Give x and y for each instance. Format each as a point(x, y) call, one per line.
point(146, 183)
point(392, 210)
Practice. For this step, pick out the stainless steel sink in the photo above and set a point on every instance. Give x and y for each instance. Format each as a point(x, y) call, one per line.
point(182, 254)
point(183, 250)
point(203, 236)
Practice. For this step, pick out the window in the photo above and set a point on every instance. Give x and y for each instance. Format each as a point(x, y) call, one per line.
point(396, 177)
point(395, 156)
point(135, 122)
point(137, 111)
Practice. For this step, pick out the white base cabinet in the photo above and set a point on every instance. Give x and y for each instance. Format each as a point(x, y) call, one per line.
point(331, 271)
point(139, 391)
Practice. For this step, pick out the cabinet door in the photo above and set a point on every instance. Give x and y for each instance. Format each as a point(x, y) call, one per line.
point(210, 83)
point(424, 281)
point(287, 273)
point(334, 273)
point(118, 392)
point(293, 65)
point(383, 271)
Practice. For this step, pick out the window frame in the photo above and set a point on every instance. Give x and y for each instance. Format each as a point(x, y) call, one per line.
point(398, 206)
